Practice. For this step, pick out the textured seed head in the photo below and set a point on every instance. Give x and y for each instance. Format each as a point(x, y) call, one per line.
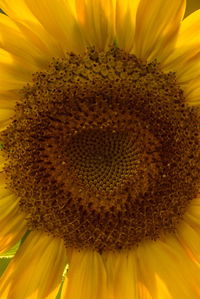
point(103, 151)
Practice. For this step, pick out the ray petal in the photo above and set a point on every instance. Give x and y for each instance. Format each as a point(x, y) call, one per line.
point(86, 277)
point(96, 18)
point(122, 274)
point(125, 23)
point(162, 261)
point(31, 28)
point(36, 270)
point(185, 58)
point(58, 19)
point(12, 221)
point(157, 25)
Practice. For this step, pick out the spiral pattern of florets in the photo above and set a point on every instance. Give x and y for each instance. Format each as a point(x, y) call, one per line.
point(103, 151)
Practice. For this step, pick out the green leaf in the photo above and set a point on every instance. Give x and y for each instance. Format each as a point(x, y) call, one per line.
point(116, 43)
point(11, 252)
point(59, 292)
point(6, 257)
point(24, 237)
point(63, 278)
point(3, 264)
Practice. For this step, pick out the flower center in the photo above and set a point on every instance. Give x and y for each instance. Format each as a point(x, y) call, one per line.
point(103, 151)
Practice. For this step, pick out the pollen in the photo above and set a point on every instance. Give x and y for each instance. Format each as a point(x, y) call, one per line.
point(103, 151)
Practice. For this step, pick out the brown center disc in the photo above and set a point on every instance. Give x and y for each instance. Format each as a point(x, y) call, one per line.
point(103, 151)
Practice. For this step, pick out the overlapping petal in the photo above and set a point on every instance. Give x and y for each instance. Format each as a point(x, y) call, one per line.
point(166, 264)
point(18, 60)
point(185, 58)
point(125, 23)
point(5, 117)
point(192, 214)
point(31, 34)
point(189, 238)
point(36, 270)
point(96, 18)
point(122, 274)
point(13, 41)
point(86, 277)
point(12, 221)
point(58, 20)
point(157, 25)
point(32, 29)
point(25, 44)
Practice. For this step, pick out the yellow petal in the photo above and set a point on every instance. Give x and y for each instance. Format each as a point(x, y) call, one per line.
point(143, 291)
point(64, 288)
point(58, 20)
point(157, 25)
point(9, 95)
point(30, 27)
point(185, 58)
point(8, 98)
point(190, 240)
point(146, 273)
point(14, 42)
point(17, 9)
point(14, 75)
point(86, 276)
point(12, 221)
point(96, 18)
point(4, 124)
point(36, 270)
point(189, 30)
point(6, 104)
point(185, 62)
point(173, 273)
point(189, 70)
point(192, 92)
point(189, 36)
point(192, 214)
point(163, 292)
point(125, 23)
point(122, 274)
point(14, 72)
point(6, 114)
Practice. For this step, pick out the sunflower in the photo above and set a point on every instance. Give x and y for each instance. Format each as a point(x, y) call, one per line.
point(100, 151)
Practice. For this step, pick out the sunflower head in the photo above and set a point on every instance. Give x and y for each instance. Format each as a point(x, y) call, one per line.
point(107, 147)
point(100, 148)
